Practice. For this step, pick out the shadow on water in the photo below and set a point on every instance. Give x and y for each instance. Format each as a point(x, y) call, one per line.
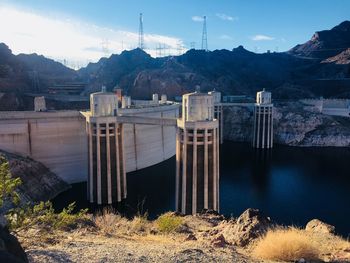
point(292, 185)
point(150, 190)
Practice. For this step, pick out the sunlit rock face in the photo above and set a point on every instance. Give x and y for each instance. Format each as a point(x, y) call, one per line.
point(38, 182)
point(292, 126)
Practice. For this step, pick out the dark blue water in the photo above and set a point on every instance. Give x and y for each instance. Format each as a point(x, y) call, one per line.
point(292, 185)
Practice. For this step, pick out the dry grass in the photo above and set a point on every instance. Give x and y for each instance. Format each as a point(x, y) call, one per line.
point(288, 244)
point(111, 223)
point(140, 224)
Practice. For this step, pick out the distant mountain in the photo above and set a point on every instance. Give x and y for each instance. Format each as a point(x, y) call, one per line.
point(239, 71)
point(118, 69)
point(326, 43)
point(319, 67)
point(17, 73)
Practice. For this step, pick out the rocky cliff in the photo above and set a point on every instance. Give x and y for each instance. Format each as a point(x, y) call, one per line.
point(38, 182)
point(325, 43)
point(293, 125)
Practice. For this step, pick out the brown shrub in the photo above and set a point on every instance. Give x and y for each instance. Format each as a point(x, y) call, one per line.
point(287, 245)
point(110, 223)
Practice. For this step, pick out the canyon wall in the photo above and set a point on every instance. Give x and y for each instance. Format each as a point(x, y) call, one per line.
point(293, 125)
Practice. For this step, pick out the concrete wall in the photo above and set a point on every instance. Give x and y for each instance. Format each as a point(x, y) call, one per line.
point(337, 107)
point(146, 145)
point(59, 141)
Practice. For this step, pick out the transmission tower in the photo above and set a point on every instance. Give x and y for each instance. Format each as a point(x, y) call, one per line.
point(105, 47)
point(179, 48)
point(193, 45)
point(35, 81)
point(141, 39)
point(204, 35)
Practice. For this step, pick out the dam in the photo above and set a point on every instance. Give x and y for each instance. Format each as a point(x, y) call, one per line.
point(58, 138)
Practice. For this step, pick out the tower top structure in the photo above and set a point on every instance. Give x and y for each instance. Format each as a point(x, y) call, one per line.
point(263, 97)
point(197, 107)
point(103, 104)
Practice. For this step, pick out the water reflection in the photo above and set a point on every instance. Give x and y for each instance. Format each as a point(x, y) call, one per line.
point(261, 168)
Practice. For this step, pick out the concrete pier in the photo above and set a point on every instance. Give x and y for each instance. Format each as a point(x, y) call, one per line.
point(197, 155)
point(218, 112)
point(107, 174)
point(263, 121)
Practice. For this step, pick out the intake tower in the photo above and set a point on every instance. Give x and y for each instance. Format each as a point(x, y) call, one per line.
point(197, 155)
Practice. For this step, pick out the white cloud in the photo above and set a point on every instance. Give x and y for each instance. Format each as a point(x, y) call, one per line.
point(262, 38)
point(225, 37)
point(197, 18)
point(226, 17)
point(72, 40)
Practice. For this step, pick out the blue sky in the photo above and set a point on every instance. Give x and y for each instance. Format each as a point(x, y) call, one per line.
point(82, 31)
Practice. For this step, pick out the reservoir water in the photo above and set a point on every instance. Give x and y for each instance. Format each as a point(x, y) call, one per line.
point(292, 185)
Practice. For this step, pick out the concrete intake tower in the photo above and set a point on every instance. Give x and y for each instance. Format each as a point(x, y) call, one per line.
point(197, 155)
point(263, 121)
point(107, 175)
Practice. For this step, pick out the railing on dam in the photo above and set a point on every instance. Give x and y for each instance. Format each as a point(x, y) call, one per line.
point(147, 120)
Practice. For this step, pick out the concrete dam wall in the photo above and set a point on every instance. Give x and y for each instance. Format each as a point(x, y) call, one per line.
point(58, 139)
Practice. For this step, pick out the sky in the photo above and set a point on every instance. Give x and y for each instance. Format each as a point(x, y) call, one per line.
point(76, 32)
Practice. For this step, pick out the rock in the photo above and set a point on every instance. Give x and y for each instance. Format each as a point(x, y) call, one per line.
point(318, 226)
point(184, 229)
point(3, 220)
point(249, 226)
point(342, 256)
point(153, 231)
point(219, 241)
point(293, 125)
point(38, 182)
point(192, 255)
point(191, 237)
point(10, 247)
point(8, 258)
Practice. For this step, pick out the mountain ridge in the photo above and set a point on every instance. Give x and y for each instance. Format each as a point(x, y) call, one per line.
point(294, 74)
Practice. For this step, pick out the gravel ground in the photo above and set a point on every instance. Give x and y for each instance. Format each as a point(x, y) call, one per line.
point(97, 248)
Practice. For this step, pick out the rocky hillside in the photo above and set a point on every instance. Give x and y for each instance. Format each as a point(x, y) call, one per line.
point(316, 68)
point(342, 58)
point(298, 73)
point(292, 126)
point(38, 182)
point(17, 73)
point(326, 43)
